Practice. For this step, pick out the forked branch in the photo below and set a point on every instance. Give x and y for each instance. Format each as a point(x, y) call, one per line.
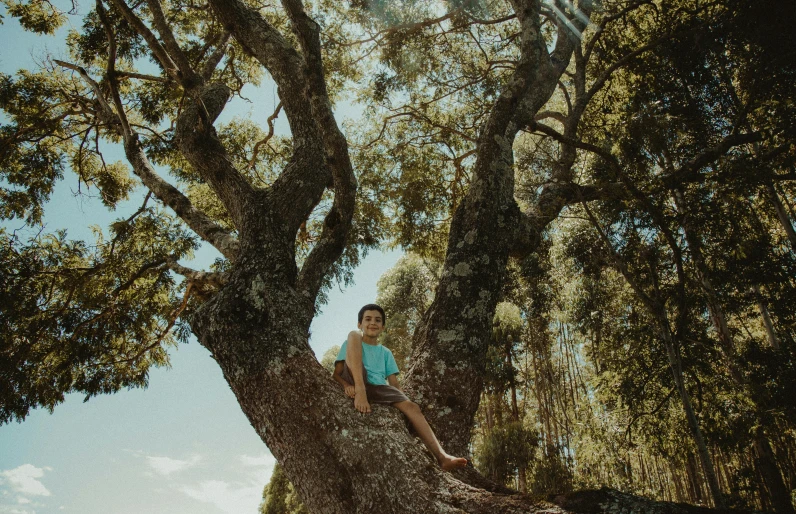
point(338, 221)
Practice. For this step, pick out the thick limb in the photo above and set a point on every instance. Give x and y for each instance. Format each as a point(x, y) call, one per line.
point(412, 411)
point(353, 357)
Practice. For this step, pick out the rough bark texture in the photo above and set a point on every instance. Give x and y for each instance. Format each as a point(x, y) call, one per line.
point(340, 460)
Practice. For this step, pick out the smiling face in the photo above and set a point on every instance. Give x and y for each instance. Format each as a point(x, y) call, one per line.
point(371, 325)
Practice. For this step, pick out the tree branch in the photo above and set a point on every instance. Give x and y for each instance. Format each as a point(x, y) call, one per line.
point(186, 72)
point(198, 221)
point(602, 79)
point(553, 198)
point(197, 140)
point(543, 115)
point(689, 172)
point(566, 40)
point(412, 27)
point(550, 66)
point(337, 223)
point(272, 50)
point(140, 76)
point(143, 270)
point(267, 137)
point(110, 70)
point(301, 184)
point(686, 173)
point(157, 49)
point(212, 62)
point(169, 195)
point(215, 280)
point(589, 48)
point(91, 82)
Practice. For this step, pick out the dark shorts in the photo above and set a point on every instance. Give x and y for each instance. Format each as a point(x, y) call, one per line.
point(376, 393)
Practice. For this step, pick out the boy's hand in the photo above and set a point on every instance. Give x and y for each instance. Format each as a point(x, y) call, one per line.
point(350, 391)
point(361, 401)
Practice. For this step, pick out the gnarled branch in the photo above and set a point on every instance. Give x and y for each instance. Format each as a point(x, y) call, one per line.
point(199, 143)
point(203, 278)
point(300, 186)
point(198, 221)
point(553, 198)
point(338, 221)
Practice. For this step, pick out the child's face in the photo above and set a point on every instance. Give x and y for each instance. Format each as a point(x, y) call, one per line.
point(372, 324)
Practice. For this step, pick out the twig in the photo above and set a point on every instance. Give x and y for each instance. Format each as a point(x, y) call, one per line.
point(268, 136)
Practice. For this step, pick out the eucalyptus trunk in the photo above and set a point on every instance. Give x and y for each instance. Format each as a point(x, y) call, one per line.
point(782, 214)
point(656, 307)
point(773, 340)
point(676, 367)
point(780, 495)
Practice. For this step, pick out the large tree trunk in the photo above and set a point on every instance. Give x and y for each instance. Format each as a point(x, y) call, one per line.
point(338, 459)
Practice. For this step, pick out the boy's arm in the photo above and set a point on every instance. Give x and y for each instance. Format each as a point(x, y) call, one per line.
point(337, 375)
point(393, 381)
point(353, 357)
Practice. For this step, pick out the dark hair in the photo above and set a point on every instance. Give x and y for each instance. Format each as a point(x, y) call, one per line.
point(371, 307)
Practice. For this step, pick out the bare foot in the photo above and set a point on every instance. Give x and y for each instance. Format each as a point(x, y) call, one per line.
point(449, 462)
point(361, 401)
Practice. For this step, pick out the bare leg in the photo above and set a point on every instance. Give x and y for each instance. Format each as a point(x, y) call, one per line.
point(412, 411)
point(353, 359)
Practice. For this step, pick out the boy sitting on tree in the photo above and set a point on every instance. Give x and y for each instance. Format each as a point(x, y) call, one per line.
point(365, 368)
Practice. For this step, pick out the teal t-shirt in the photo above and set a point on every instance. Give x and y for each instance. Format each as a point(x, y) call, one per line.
point(378, 360)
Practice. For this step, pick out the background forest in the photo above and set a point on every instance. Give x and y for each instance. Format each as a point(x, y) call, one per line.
point(585, 383)
point(644, 335)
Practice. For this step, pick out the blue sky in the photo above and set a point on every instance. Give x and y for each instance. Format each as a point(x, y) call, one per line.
point(180, 446)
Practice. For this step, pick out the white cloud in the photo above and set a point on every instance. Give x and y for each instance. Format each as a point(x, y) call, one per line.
point(165, 466)
point(233, 497)
point(265, 460)
point(263, 466)
point(24, 480)
point(11, 510)
point(236, 489)
point(229, 498)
